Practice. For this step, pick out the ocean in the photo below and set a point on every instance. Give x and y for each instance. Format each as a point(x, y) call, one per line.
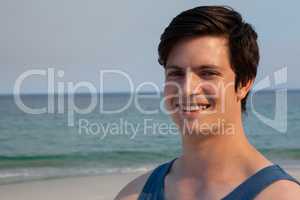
point(43, 146)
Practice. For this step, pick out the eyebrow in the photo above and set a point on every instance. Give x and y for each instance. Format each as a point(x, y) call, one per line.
point(173, 67)
point(199, 67)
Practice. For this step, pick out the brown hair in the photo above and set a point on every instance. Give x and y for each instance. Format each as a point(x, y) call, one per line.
point(218, 21)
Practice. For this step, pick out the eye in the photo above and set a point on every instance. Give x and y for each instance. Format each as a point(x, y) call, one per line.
point(208, 74)
point(175, 73)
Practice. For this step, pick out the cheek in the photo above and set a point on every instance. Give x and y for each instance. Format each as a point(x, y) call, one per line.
point(230, 100)
point(170, 93)
point(212, 91)
point(226, 94)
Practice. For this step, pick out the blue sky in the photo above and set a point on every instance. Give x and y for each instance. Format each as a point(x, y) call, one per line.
point(83, 37)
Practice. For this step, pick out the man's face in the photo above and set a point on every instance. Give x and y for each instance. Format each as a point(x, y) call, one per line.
point(199, 85)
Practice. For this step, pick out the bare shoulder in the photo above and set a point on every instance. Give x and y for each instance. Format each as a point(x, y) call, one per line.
point(279, 190)
point(132, 190)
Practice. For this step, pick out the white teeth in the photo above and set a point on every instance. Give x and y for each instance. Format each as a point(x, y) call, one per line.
point(194, 107)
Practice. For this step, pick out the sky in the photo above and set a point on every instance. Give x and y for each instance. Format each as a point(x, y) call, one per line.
point(82, 38)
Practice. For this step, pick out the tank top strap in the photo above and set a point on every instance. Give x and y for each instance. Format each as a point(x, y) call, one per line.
point(252, 186)
point(153, 188)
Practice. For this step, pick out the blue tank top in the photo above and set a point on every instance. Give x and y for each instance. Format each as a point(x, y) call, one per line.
point(247, 190)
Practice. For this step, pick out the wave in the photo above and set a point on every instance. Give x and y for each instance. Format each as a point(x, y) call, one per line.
point(19, 168)
point(282, 153)
point(109, 158)
point(113, 158)
point(126, 155)
point(29, 174)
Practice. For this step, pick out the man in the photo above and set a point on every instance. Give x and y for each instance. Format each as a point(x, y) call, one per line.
point(210, 56)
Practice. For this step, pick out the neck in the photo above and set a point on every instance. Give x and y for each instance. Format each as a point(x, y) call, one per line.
point(211, 156)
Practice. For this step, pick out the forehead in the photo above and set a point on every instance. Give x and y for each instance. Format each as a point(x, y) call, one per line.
point(197, 51)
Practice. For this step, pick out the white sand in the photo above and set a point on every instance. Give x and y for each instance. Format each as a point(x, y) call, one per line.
point(83, 188)
point(76, 188)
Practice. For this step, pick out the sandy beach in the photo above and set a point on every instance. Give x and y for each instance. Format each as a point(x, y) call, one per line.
point(103, 187)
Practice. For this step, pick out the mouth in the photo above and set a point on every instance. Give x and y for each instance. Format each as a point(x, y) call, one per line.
point(194, 108)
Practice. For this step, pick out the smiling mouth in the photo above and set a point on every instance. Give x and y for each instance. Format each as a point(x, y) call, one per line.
point(194, 107)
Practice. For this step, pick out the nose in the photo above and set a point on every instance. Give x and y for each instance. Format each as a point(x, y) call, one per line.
point(190, 85)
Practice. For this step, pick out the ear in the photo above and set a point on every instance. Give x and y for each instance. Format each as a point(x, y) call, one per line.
point(243, 90)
